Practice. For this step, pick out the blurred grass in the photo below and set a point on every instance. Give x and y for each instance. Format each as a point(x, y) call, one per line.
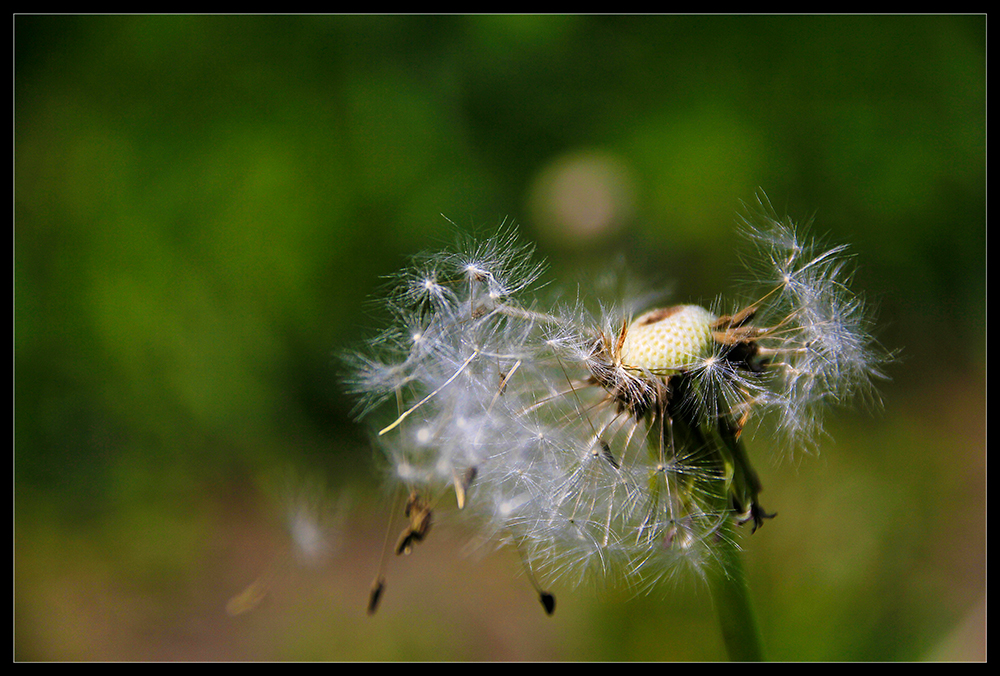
point(203, 204)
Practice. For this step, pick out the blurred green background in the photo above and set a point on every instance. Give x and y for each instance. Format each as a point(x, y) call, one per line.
point(203, 207)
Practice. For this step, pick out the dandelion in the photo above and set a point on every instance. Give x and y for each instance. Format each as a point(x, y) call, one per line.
point(312, 524)
point(607, 444)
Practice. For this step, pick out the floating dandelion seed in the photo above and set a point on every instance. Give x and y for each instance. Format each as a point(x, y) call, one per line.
point(605, 445)
point(312, 521)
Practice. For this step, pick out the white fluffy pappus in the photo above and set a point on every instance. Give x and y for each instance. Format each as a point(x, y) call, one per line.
point(605, 446)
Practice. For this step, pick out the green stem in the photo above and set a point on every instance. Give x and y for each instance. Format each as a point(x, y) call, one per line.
point(731, 595)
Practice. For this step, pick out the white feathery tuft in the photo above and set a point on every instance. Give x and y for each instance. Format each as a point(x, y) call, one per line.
point(602, 447)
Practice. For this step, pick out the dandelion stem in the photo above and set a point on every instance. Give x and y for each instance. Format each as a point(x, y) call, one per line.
point(731, 595)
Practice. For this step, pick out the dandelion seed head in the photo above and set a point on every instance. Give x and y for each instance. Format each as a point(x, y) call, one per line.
point(602, 446)
point(668, 340)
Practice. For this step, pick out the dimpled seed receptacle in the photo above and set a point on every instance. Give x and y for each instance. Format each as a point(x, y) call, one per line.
point(668, 340)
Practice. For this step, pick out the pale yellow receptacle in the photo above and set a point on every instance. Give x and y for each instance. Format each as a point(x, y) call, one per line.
point(668, 340)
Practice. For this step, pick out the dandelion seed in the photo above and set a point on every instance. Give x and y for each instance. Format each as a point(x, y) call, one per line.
point(420, 515)
point(375, 594)
point(312, 521)
point(248, 599)
point(606, 446)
